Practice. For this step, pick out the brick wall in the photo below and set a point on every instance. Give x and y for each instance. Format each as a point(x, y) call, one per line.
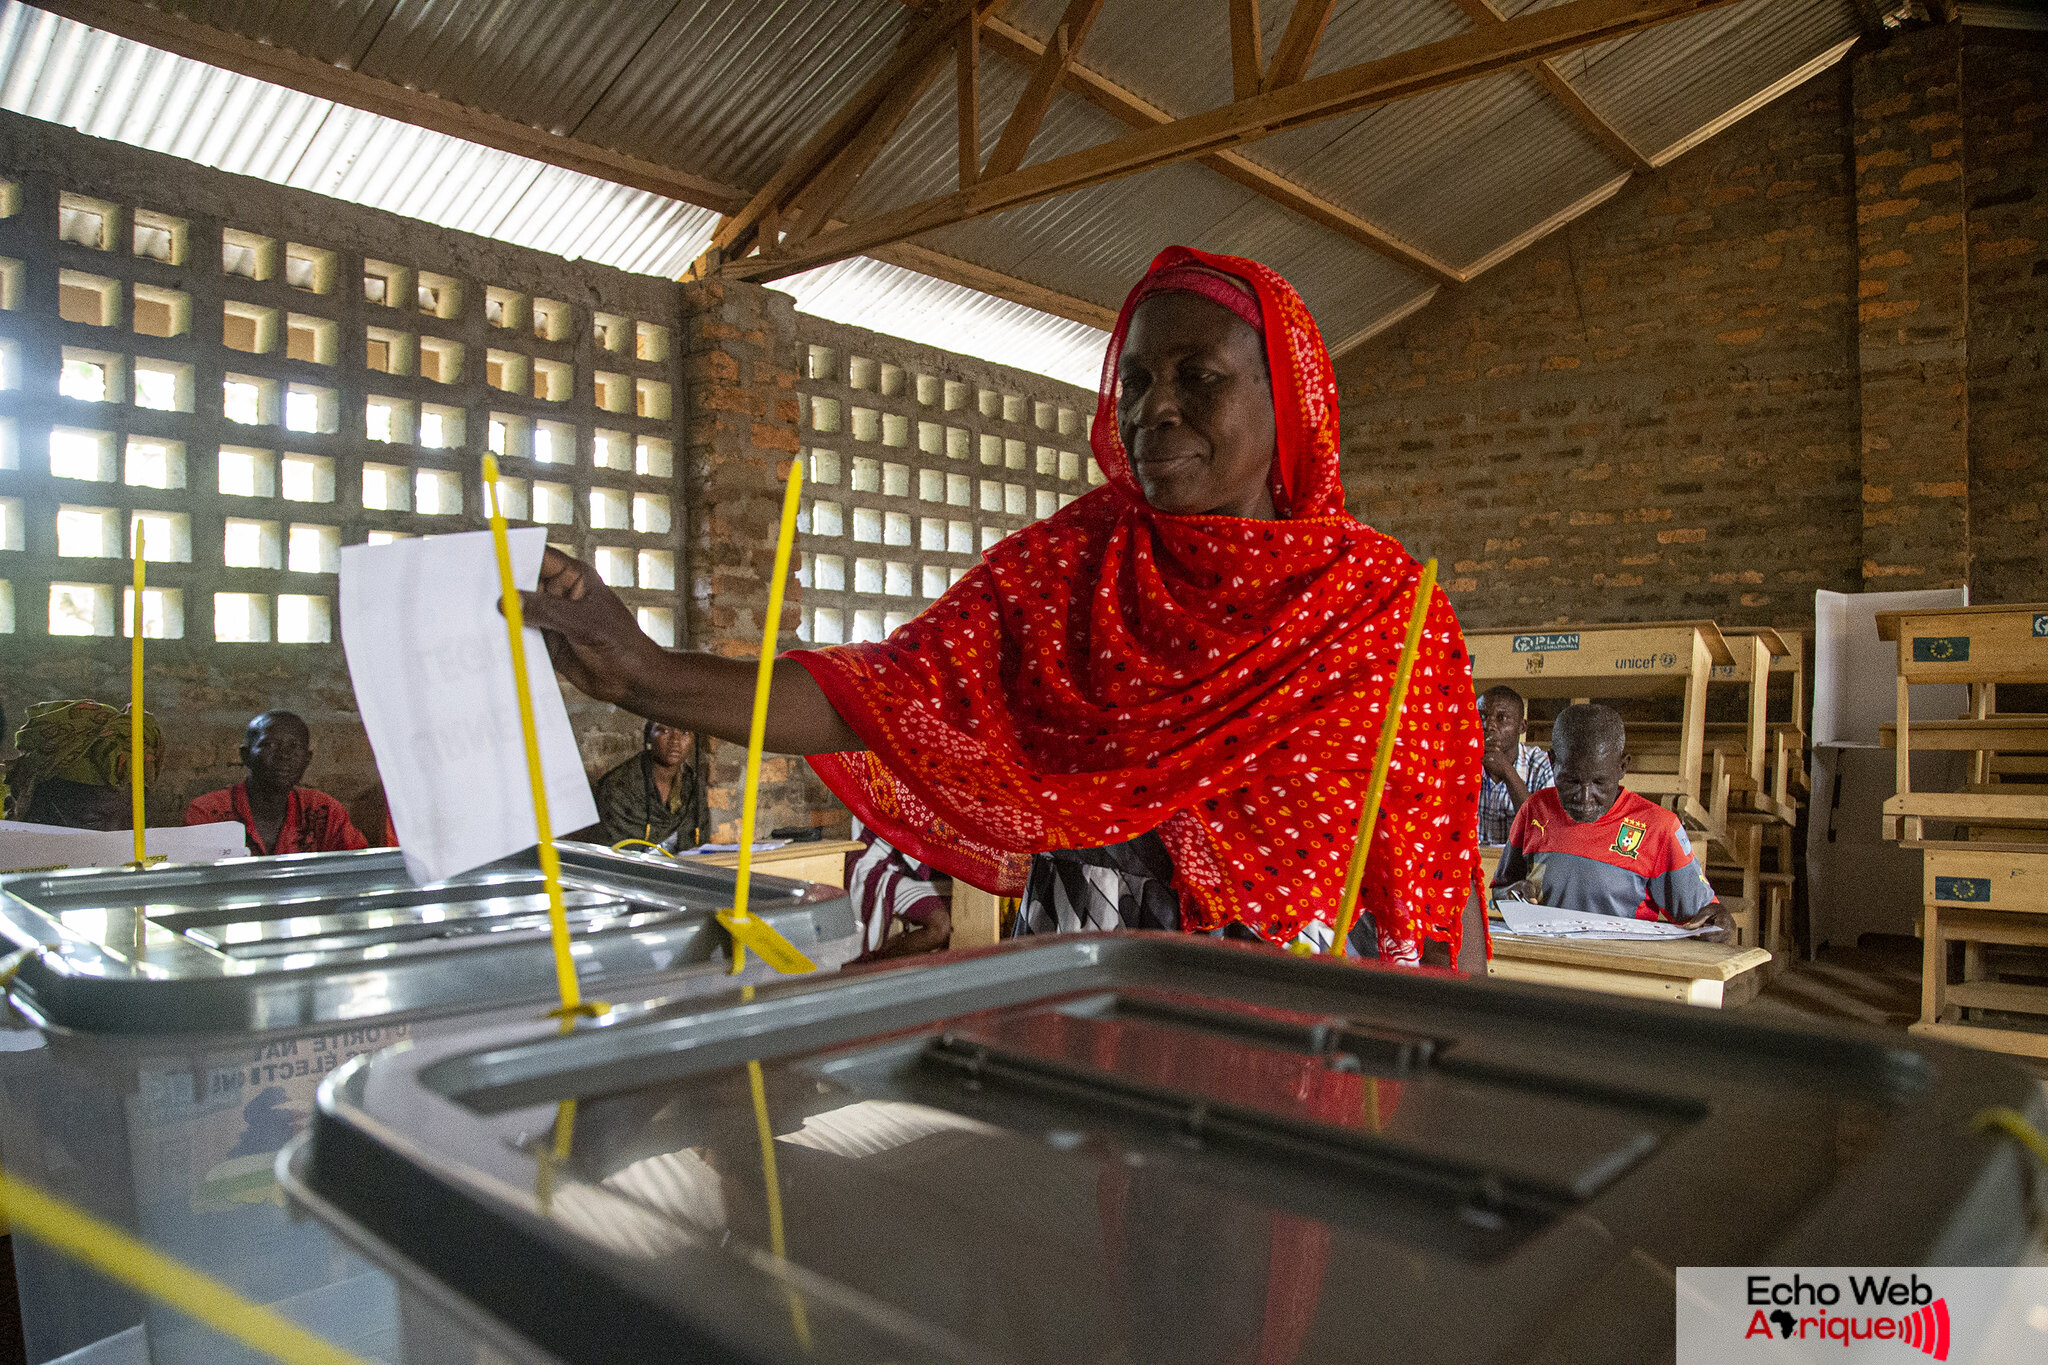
point(1743, 378)
point(2005, 113)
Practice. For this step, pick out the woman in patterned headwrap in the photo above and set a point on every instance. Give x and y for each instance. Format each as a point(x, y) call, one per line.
point(73, 767)
point(1158, 707)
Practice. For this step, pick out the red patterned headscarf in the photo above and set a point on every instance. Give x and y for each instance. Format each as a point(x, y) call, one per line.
point(1112, 670)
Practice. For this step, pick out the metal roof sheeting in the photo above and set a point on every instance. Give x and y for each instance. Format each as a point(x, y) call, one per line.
point(885, 298)
point(1661, 87)
point(727, 89)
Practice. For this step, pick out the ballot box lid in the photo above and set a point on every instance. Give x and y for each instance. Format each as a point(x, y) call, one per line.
point(1148, 1148)
point(252, 944)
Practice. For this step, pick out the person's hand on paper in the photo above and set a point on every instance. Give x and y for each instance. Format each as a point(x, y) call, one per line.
point(1522, 890)
point(592, 638)
point(595, 643)
point(1723, 922)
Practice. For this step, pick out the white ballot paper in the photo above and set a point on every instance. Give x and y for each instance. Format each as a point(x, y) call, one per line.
point(26, 847)
point(432, 670)
point(1550, 921)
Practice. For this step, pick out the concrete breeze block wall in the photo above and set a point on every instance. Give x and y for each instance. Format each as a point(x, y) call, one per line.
point(552, 364)
point(364, 341)
point(1807, 354)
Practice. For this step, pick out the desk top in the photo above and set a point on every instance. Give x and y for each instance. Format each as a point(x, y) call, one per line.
point(1888, 621)
point(1717, 644)
point(1685, 958)
point(805, 849)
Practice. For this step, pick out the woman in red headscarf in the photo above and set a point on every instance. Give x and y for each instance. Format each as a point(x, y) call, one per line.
point(1158, 707)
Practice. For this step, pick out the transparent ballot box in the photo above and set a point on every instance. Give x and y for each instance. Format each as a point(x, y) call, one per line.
point(166, 1040)
point(1144, 1148)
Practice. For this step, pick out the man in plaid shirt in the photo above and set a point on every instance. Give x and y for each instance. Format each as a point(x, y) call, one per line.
point(1511, 769)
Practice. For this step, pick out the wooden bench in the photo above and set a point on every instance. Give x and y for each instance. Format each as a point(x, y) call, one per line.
point(1709, 974)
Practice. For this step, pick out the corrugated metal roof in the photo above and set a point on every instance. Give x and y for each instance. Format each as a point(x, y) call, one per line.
point(728, 88)
point(337, 31)
point(543, 62)
point(1661, 87)
point(884, 298)
point(63, 72)
point(731, 89)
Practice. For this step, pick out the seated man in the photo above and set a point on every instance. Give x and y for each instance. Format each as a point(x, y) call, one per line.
point(1589, 844)
point(280, 815)
point(1510, 769)
point(653, 794)
point(73, 767)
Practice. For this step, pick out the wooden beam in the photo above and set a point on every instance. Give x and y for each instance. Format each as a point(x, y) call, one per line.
point(1433, 66)
point(1247, 58)
point(1046, 75)
point(816, 202)
point(799, 169)
point(1298, 44)
point(1487, 12)
point(309, 76)
point(967, 102)
point(1114, 99)
point(953, 270)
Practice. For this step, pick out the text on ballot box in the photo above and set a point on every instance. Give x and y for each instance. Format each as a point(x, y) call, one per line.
point(432, 668)
point(1782, 1315)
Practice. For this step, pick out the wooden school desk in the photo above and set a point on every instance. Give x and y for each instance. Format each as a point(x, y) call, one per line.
point(823, 862)
point(1713, 975)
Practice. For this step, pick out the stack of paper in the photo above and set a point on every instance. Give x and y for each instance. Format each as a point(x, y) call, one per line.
point(1550, 921)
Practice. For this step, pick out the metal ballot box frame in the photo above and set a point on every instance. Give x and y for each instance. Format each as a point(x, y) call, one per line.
point(187, 1014)
point(1143, 1147)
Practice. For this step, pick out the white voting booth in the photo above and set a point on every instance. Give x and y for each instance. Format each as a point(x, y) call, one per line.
point(1858, 881)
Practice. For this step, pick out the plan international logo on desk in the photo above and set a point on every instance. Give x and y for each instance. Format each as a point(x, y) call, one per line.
point(1971, 1316)
point(1546, 644)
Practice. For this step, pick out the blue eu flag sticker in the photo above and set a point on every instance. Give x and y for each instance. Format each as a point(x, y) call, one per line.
point(1941, 649)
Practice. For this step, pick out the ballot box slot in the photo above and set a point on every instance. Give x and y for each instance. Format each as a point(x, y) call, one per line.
point(1382, 1051)
point(269, 935)
point(1301, 1106)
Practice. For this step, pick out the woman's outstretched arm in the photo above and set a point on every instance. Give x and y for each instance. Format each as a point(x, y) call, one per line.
point(594, 642)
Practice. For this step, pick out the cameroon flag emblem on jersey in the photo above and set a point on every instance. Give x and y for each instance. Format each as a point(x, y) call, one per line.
point(1629, 837)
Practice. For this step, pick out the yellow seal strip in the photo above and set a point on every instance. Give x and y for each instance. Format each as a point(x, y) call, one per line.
point(113, 1253)
point(135, 708)
point(1369, 814)
point(746, 929)
point(2014, 1125)
point(550, 863)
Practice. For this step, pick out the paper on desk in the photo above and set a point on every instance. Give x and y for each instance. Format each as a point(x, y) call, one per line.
point(432, 669)
point(27, 847)
point(1550, 921)
point(760, 846)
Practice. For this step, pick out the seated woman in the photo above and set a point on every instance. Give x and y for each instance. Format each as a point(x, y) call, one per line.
point(73, 767)
point(1157, 708)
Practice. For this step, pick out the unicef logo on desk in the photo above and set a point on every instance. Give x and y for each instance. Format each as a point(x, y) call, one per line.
point(1969, 1316)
